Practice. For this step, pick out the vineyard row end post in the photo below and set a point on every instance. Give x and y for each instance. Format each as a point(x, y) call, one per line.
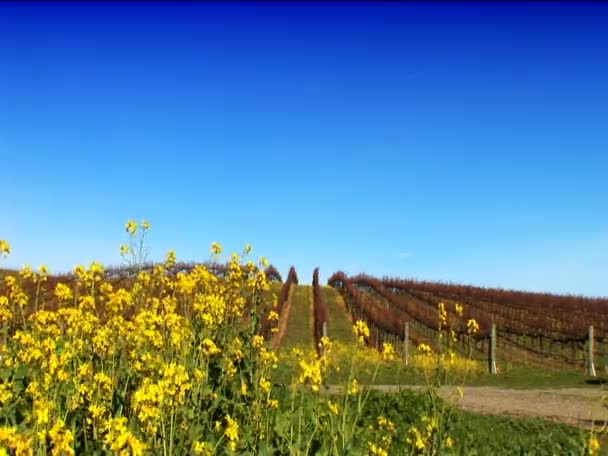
point(406, 341)
point(590, 348)
point(492, 351)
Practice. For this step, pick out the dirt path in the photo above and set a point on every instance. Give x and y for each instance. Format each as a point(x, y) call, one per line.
point(581, 407)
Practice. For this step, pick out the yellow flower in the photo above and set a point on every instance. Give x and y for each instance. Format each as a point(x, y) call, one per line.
point(449, 442)
point(273, 316)
point(119, 439)
point(353, 387)
point(415, 438)
point(247, 249)
point(459, 309)
point(209, 347)
point(232, 431)
point(131, 227)
point(63, 292)
point(361, 330)
point(257, 341)
point(333, 408)
point(216, 248)
point(310, 372)
point(43, 270)
point(264, 385)
point(5, 247)
point(62, 439)
point(472, 326)
point(272, 404)
point(443, 315)
point(203, 448)
point(170, 259)
point(243, 389)
point(592, 445)
point(26, 272)
point(388, 352)
point(145, 225)
point(424, 349)
point(376, 450)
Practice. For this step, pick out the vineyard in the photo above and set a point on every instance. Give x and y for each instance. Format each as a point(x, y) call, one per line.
point(161, 322)
point(532, 329)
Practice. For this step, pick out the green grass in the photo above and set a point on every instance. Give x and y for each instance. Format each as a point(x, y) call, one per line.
point(481, 434)
point(299, 332)
point(339, 325)
point(395, 374)
point(472, 434)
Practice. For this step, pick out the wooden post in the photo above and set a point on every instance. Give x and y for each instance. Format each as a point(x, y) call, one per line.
point(406, 341)
point(590, 365)
point(492, 350)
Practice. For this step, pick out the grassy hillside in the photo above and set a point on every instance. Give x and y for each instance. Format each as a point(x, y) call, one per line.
point(299, 322)
point(339, 321)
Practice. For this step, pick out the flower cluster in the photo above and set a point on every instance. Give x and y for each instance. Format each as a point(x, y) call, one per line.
point(95, 365)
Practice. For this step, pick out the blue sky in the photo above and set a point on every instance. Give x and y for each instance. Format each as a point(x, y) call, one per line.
point(453, 142)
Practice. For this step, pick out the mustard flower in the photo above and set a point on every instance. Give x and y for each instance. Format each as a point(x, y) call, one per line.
point(170, 259)
point(243, 388)
point(593, 445)
point(209, 347)
point(424, 349)
point(63, 292)
point(61, 439)
point(415, 438)
point(264, 384)
point(215, 248)
point(458, 307)
point(131, 227)
point(361, 330)
point(443, 315)
point(333, 408)
point(5, 247)
point(232, 431)
point(388, 352)
point(376, 450)
point(353, 387)
point(203, 449)
point(26, 272)
point(472, 326)
point(257, 341)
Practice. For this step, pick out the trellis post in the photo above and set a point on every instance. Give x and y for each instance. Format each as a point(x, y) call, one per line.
point(492, 350)
point(406, 341)
point(590, 350)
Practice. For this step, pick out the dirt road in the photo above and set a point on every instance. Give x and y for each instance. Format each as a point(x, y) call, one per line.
point(581, 407)
point(575, 406)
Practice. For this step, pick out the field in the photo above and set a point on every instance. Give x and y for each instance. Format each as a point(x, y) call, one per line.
point(229, 358)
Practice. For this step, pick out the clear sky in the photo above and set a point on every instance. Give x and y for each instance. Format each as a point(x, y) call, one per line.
point(453, 142)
